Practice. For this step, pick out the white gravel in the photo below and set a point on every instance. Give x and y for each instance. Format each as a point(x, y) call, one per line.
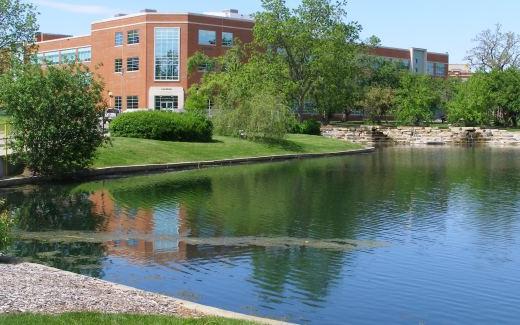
point(36, 288)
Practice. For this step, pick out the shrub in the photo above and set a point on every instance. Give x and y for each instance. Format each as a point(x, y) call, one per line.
point(262, 117)
point(164, 126)
point(55, 113)
point(6, 224)
point(311, 127)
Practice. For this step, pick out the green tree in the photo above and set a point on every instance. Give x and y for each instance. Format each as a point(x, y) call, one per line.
point(196, 101)
point(18, 27)
point(417, 99)
point(488, 99)
point(378, 102)
point(235, 83)
point(378, 81)
point(308, 40)
point(472, 103)
point(56, 114)
point(505, 91)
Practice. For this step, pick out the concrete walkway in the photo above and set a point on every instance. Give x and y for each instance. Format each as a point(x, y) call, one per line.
point(34, 288)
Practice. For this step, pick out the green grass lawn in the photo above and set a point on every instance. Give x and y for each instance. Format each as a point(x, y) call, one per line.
point(130, 151)
point(115, 319)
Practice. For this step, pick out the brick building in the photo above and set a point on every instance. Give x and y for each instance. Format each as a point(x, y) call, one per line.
point(418, 60)
point(142, 57)
point(460, 71)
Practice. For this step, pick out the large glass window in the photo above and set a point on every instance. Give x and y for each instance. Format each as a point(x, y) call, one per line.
point(167, 53)
point(52, 57)
point(207, 37)
point(166, 102)
point(132, 64)
point(118, 65)
point(133, 36)
point(119, 39)
point(227, 39)
point(440, 69)
point(40, 58)
point(85, 54)
point(430, 68)
point(132, 102)
point(68, 56)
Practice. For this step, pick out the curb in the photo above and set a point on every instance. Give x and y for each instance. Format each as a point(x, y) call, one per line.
point(115, 171)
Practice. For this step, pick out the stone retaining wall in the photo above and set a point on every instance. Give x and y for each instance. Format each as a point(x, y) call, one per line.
point(377, 135)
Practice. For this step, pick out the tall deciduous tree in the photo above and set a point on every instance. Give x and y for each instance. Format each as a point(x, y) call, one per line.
point(307, 38)
point(495, 50)
point(18, 27)
point(417, 99)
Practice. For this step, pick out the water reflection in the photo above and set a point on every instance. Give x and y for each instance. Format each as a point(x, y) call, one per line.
point(443, 212)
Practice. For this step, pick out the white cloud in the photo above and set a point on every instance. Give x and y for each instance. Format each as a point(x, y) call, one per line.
point(75, 8)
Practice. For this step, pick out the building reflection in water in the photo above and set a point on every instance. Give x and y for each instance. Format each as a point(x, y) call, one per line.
point(157, 232)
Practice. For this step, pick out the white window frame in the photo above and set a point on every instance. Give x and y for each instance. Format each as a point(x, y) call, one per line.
point(179, 54)
point(232, 39)
point(207, 30)
point(122, 39)
point(120, 61)
point(128, 37)
point(89, 48)
point(133, 59)
point(127, 101)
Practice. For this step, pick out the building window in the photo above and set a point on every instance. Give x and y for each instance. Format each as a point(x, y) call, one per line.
point(167, 53)
point(430, 68)
point(132, 64)
point(207, 37)
point(119, 39)
point(118, 102)
point(227, 39)
point(118, 65)
point(440, 69)
point(40, 58)
point(85, 54)
point(52, 57)
point(68, 56)
point(204, 67)
point(166, 102)
point(133, 37)
point(132, 102)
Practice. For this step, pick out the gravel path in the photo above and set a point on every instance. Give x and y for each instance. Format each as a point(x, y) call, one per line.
point(36, 288)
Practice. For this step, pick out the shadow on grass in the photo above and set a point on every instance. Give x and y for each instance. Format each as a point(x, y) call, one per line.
point(282, 144)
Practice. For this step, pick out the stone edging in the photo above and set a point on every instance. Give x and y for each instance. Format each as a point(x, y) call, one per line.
point(139, 169)
point(408, 135)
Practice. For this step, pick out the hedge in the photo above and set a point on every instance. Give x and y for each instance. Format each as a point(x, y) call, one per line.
point(311, 127)
point(164, 126)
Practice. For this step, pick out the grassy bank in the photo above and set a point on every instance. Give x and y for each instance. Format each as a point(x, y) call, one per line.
point(115, 319)
point(128, 151)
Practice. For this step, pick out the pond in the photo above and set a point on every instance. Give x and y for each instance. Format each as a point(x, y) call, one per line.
point(403, 235)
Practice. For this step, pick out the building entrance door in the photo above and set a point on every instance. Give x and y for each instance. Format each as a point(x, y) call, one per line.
point(166, 103)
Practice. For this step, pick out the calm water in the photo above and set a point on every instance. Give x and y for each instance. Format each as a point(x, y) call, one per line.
point(401, 236)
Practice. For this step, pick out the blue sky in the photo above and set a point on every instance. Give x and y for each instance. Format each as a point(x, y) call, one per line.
point(439, 25)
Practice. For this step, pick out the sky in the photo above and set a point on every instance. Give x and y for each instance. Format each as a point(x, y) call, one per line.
point(439, 26)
